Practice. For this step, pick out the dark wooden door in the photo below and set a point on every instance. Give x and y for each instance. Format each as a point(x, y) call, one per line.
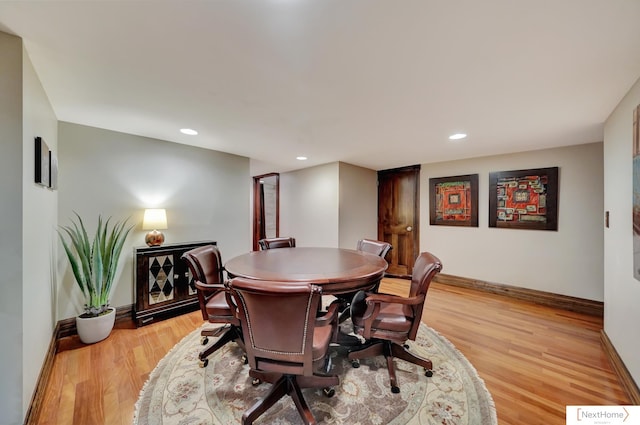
point(399, 217)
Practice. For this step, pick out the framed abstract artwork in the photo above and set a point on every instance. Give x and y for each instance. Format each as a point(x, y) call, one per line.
point(453, 201)
point(524, 199)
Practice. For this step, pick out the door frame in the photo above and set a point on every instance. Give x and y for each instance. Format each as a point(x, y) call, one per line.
point(415, 169)
point(258, 207)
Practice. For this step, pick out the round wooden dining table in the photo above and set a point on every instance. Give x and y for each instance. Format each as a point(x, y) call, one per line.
point(336, 270)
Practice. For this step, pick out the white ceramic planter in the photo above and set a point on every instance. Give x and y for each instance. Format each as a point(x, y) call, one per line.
point(94, 329)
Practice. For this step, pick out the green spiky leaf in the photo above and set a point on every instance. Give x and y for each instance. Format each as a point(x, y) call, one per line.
point(94, 261)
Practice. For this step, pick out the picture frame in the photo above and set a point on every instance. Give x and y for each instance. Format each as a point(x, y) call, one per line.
point(42, 163)
point(53, 171)
point(453, 201)
point(524, 199)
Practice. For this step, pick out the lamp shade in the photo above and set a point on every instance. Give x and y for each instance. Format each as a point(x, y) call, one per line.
point(154, 219)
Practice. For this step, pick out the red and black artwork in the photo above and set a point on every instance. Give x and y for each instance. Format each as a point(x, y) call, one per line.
point(454, 200)
point(524, 199)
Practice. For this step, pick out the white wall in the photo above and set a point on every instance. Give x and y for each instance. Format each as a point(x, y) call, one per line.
point(28, 214)
point(567, 261)
point(358, 204)
point(205, 193)
point(11, 175)
point(40, 213)
point(330, 205)
point(336, 204)
point(621, 289)
point(309, 205)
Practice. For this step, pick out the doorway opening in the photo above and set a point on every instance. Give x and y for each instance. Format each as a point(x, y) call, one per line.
point(266, 207)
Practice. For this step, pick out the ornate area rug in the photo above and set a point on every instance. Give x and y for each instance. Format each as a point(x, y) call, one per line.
point(179, 392)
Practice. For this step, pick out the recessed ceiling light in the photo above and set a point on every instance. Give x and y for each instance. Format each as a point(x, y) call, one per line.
point(188, 131)
point(457, 136)
point(301, 158)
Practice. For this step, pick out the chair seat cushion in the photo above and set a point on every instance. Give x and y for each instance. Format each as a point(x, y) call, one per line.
point(217, 306)
point(390, 318)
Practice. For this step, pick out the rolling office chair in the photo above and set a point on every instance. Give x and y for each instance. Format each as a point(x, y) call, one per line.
point(372, 246)
point(387, 321)
point(379, 248)
point(271, 243)
point(206, 267)
point(286, 344)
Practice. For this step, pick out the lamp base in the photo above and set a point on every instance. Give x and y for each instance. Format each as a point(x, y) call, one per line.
point(154, 238)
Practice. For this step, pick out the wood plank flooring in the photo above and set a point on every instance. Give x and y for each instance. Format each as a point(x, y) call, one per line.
point(534, 360)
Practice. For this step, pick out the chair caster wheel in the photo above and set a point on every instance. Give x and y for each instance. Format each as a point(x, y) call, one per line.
point(395, 389)
point(255, 382)
point(204, 363)
point(204, 340)
point(355, 364)
point(328, 392)
point(428, 373)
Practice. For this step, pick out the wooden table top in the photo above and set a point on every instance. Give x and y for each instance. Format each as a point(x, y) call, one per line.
point(336, 270)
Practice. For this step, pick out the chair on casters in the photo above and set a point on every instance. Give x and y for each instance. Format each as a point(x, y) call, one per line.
point(205, 264)
point(387, 321)
point(271, 243)
point(379, 248)
point(286, 344)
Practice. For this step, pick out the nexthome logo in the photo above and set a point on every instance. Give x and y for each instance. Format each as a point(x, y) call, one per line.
point(603, 415)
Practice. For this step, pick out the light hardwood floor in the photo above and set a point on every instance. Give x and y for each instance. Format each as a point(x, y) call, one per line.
point(534, 360)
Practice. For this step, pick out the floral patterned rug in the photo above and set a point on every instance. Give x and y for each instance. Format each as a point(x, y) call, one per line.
point(179, 392)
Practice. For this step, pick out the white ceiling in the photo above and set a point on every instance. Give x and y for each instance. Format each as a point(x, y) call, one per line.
point(375, 83)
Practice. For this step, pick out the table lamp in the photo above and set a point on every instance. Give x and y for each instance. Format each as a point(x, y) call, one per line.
point(154, 219)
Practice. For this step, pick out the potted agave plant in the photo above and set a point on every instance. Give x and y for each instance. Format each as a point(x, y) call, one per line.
point(94, 263)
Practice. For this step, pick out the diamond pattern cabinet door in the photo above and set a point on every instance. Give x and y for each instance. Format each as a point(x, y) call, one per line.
point(163, 284)
point(161, 278)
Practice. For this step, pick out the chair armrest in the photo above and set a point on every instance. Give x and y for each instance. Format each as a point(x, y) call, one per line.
point(374, 304)
point(208, 287)
point(329, 316)
point(393, 299)
point(231, 299)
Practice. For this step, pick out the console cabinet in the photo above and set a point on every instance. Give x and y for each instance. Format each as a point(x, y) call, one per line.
point(163, 283)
